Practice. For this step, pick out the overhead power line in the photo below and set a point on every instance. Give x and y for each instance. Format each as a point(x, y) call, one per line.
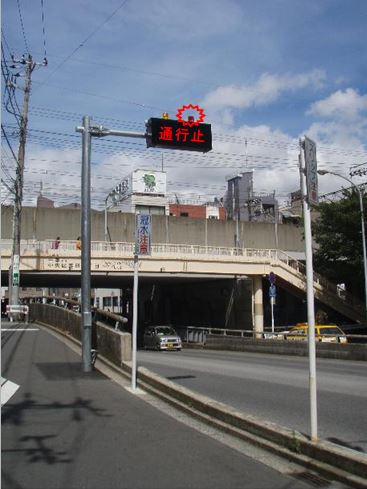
point(275, 142)
point(43, 28)
point(22, 26)
point(82, 44)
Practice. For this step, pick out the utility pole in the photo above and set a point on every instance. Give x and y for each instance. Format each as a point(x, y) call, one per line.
point(14, 279)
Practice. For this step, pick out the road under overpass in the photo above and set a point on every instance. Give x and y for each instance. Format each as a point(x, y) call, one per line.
point(204, 300)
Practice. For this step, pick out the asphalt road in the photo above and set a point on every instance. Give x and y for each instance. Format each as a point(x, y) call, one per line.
point(64, 429)
point(275, 388)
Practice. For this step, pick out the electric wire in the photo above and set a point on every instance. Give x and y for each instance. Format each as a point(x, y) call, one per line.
point(43, 28)
point(82, 44)
point(10, 146)
point(5, 41)
point(275, 142)
point(22, 26)
point(9, 90)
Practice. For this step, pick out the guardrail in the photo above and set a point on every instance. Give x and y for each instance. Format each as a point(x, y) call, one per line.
point(111, 319)
point(194, 334)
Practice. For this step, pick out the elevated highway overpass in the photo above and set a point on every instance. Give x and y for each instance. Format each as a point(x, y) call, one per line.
point(112, 266)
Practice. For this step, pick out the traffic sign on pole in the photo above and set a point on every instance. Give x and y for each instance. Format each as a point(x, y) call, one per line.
point(311, 171)
point(143, 234)
point(272, 291)
point(272, 277)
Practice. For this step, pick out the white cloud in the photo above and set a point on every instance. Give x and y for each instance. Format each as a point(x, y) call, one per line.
point(266, 90)
point(346, 122)
point(348, 104)
point(339, 134)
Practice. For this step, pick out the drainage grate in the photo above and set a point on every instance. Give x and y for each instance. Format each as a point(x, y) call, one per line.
point(311, 478)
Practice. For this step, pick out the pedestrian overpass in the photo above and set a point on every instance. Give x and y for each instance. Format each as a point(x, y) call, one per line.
point(40, 262)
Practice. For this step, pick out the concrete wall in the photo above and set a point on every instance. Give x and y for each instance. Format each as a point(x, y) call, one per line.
point(350, 351)
point(113, 345)
point(45, 223)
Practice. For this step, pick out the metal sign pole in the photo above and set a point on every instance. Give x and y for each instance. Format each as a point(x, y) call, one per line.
point(85, 235)
point(310, 300)
point(135, 321)
point(272, 314)
point(88, 131)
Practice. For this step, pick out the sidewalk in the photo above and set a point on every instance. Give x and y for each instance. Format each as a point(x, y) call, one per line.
point(66, 429)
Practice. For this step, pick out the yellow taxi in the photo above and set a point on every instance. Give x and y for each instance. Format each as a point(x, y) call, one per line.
point(326, 333)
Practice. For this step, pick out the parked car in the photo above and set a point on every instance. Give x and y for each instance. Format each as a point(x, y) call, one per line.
point(326, 333)
point(161, 338)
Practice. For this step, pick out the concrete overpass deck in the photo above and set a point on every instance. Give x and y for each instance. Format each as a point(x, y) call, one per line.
point(40, 264)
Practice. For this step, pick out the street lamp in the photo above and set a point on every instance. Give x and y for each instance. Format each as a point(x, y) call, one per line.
point(325, 172)
point(114, 195)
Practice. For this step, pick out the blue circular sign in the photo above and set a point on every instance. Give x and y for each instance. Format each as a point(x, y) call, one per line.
point(272, 277)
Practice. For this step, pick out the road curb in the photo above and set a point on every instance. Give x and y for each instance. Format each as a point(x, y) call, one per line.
point(331, 460)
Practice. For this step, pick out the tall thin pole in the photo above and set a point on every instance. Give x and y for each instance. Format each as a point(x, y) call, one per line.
point(88, 131)
point(363, 245)
point(105, 220)
point(310, 300)
point(86, 253)
point(135, 321)
point(17, 211)
point(276, 217)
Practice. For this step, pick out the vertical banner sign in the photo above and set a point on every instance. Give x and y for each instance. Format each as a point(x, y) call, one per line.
point(16, 271)
point(143, 234)
point(311, 172)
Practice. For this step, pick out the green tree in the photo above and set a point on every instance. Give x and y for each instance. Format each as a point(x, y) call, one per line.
point(338, 236)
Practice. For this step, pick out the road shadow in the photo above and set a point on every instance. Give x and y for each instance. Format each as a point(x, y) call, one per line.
point(181, 377)
point(345, 444)
point(67, 371)
point(37, 449)
point(13, 413)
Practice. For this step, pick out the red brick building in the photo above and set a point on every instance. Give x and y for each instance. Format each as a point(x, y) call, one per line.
point(197, 211)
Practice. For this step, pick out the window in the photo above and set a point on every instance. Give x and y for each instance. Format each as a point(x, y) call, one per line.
point(184, 214)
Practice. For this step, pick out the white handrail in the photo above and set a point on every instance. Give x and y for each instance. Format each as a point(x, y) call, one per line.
point(120, 248)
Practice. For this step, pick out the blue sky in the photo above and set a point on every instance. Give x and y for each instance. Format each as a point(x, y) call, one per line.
point(266, 73)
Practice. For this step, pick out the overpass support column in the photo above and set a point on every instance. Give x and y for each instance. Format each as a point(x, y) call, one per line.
point(257, 299)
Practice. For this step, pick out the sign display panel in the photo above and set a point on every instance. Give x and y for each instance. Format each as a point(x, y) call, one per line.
point(169, 133)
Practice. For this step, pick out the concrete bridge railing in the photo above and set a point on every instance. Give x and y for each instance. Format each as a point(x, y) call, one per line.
point(109, 342)
point(183, 258)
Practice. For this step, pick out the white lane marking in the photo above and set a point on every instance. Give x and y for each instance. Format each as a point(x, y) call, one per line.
point(19, 329)
point(8, 389)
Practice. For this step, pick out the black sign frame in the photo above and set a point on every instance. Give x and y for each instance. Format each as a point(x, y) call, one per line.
point(172, 134)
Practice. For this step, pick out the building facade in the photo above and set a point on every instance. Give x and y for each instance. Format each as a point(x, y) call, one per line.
point(243, 204)
point(142, 191)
